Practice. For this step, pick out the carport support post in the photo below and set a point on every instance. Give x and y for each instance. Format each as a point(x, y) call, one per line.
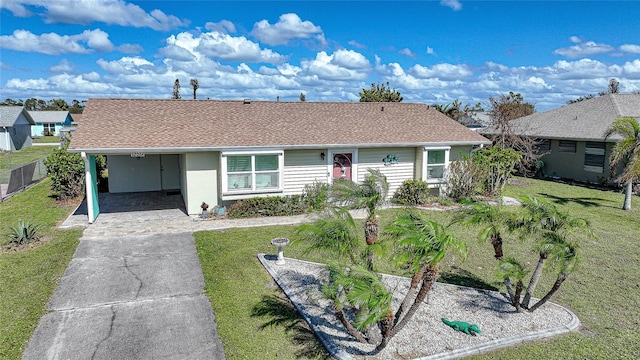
point(92, 187)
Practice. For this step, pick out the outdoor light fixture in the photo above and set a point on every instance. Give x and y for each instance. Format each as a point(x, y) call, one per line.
point(322, 155)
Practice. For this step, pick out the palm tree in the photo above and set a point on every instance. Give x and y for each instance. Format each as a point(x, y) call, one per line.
point(626, 152)
point(545, 221)
point(370, 195)
point(493, 221)
point(566, 259)
point(422, 244)
point(335, 234)
point(512, 269)
point(195, 85)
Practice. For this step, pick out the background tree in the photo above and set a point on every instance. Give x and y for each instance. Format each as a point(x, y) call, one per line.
point(176, 89)
point(504, 109)
point(380, 93)
point(457, 111)
point(627, 153)
point(614, 86)
point(303, 97)
point(195, 85)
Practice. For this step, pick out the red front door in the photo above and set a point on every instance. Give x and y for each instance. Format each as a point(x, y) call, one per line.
point(342, 166)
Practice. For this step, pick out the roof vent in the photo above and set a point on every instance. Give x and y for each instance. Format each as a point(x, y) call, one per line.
point(247, 101)
point(382, 108)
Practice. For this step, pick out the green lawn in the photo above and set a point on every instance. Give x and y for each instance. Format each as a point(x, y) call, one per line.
point(14, 159)
point(54, 140)
point(29, 277)
point(253, 319)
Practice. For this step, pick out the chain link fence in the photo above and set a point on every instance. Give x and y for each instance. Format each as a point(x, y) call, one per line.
point(20, 178)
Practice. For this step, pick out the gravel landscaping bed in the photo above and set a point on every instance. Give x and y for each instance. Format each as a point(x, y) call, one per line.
point(425, 336)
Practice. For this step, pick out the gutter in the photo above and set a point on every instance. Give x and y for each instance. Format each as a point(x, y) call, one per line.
point(164, 150)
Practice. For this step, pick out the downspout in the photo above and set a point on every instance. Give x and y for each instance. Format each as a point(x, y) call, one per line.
point(88, 181)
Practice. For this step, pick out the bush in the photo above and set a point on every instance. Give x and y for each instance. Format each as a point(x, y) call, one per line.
point(465, 179)
point(268, 206)
point(24, 233)
point(315, 196)
point(412, 192)
point(66, 171)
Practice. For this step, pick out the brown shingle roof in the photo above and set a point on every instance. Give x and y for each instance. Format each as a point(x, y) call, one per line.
point(128, 124)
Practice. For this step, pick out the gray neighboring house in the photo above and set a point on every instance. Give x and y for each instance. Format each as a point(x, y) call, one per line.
point(573, 135)
point(15, 128)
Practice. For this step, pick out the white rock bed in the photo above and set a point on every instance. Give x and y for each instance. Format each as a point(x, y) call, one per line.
point(425, 336)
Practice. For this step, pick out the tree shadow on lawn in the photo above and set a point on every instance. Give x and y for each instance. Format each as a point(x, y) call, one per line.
point(584, 201)
point(458, 276)
point(279, 311)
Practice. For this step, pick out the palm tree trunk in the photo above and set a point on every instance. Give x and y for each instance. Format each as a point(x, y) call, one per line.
point(350, 328)
point(496, 241)
point(507, 284)
point(627, 196)
point(385, 328)
point(537, 273)
point(371, 231)
point(561, 278)
point(430, 277)
point(516, 299)
point(415, 280)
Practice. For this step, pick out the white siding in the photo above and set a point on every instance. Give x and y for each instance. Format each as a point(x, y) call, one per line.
point(303, 167)
point(202, 180)
point(396, 173)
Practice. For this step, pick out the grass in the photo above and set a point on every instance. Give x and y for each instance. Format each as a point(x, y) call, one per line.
point(29, 277)
point(17, 158)
point(53, 140)
point(253, 319)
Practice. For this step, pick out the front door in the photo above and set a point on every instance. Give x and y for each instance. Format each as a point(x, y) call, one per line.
point(169, 171)
point(342, 165)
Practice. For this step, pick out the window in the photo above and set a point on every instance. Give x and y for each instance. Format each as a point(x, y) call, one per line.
point(567, 146)
point(49, 129)
point(251, 173)
point(436, 163)
point(543, 145)
point(594, 156)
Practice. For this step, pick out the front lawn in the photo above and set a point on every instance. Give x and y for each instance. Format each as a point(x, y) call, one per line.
point(29, 277)
point(253, 319)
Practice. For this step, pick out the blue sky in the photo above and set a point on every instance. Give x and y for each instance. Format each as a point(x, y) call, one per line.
point(431, 51)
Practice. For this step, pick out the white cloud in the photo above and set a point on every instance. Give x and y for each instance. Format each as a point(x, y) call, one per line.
point(453, 4)
point(407, 52)
point(356, 44)
point(54, 44)
point(430, 50)
point(84, 12)
point(575, 39)
point(584, 49)
point(92, 76)
point(186, 47)
point(5, 66)
point(130, 48)
point(441, 71)
point(126, 65)
point(224, 26)
point(631, 69)
point(288, 27)
point(345, 65)
point(630, 48)
point(63, 67)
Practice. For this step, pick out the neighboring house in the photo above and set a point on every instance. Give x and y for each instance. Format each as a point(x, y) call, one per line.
point(221, 151)
point(15, 128)
point(49, 123)
point(573, 135)
point(77, 118)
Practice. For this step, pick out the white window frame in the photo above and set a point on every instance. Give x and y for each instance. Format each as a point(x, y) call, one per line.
point(231, 194)
point(425, 163)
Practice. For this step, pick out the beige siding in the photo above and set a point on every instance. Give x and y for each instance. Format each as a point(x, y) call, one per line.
point(303, 167)
point(571, 165)
point(396, 173)
point(457, 152)
point(127, 174)
point(202, 180)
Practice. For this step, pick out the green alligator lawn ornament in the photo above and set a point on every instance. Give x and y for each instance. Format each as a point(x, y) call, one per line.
point(469, 329)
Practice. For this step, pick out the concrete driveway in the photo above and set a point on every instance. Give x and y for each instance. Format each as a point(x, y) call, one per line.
point(129, 297)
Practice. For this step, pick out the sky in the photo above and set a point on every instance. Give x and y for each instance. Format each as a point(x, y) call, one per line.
point(433, 52)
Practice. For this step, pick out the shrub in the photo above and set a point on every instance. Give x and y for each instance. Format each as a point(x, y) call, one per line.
point(24, 233)
point(315, 196)
point(465, 179)
point(412, 192)
point(66, 171)
point(498, 164)
point(268, 206)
